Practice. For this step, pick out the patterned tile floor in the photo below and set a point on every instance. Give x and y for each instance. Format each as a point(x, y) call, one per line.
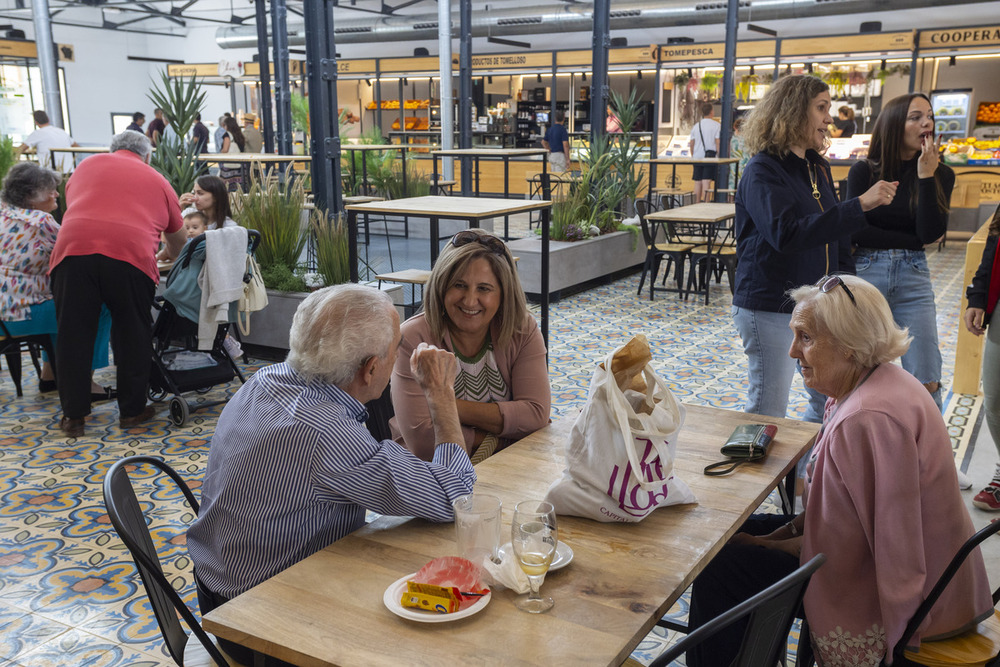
point(69, 594)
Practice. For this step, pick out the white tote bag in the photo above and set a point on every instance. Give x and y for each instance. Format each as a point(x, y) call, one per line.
point(620, 454)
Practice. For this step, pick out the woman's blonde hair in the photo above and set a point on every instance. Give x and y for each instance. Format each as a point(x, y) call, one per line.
point(863, 327)
point(453, 262)
point(779, 121)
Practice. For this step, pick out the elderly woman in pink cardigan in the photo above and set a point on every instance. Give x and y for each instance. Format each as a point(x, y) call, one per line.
point(882, 499)
point(474, 306)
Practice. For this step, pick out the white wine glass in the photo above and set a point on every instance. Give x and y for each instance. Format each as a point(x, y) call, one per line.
point(533, 536)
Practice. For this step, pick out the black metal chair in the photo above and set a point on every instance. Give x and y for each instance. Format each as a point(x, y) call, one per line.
point(129, 522)
point(11, 347)
point(769, 614)
point(677, 254)
point(977, 647)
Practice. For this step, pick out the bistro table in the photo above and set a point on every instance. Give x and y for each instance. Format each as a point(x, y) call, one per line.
point(711, 218)
point(328, 609)
point(471, 209)
point(365, 149)
point(674, 161)
point(504, 154)
point(73, 151)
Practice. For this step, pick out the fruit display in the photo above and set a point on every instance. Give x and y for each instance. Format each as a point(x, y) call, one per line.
point(407, 104)
point(988, 113)
point(970, 150)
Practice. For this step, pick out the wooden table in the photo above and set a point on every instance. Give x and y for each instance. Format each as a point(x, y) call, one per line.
point(709, 215)
point(504, 154)
point(328, 610)
point(74, 151)
point(365, 149)
point(674, 161)
point(472, 209)
point(414, 278)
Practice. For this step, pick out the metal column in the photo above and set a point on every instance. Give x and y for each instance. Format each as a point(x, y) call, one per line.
point(282, 86)
point(913, 62)
point(47, 61)
point(729, 71)
point(321, 56)
point(265, 76)
point(465, 92)
point(446, 94)
point(599, 74)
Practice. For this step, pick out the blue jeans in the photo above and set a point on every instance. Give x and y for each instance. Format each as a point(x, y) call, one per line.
point(766, 341)
point(904, 280)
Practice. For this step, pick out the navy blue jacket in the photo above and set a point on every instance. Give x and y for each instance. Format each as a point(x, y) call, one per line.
point(784, 237)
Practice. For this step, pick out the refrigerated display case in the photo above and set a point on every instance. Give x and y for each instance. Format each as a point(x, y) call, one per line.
point(951, 112)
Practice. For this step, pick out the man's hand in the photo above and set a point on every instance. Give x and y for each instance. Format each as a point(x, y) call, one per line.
point(974, 320)
point(435, 370)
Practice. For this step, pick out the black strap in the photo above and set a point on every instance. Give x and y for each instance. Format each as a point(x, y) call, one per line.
point(733, 464)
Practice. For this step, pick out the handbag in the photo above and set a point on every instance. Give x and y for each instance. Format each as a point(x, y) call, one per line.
point(254, 296)
point(748, 443)
point(621, 451)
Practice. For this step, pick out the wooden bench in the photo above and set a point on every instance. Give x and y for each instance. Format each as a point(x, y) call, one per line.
point(412, 277)
point(442, 186)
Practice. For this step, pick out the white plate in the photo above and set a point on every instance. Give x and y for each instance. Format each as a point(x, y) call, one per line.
point(563, 557)
point(394, 594)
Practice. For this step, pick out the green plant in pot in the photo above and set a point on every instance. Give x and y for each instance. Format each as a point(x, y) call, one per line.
point(627, 173)
point(8, 154)
point(275, 210)
point(174, 157)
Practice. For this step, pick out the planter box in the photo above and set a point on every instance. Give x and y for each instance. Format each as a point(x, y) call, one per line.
point(269, 327)
point(572, 264)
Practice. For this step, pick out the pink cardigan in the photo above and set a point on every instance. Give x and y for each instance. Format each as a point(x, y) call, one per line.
point(883, 504)
point(522, 365)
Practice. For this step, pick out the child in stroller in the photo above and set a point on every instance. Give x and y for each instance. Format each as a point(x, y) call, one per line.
point(188, 354)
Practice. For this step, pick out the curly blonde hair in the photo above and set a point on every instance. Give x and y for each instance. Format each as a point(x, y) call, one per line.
point(779, 121)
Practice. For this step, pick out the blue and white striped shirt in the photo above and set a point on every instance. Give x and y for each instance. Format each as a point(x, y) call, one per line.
point(292, 468)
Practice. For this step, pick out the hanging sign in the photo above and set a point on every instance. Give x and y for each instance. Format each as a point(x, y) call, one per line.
point(988, 35)
point(233, 68)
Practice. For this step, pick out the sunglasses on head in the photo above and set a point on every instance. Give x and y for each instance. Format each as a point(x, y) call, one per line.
point(828, 283)
point(491, 243)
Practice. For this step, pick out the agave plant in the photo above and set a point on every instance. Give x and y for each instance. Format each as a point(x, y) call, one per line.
point(176, 158)
point(8, 154)
point(332, 256)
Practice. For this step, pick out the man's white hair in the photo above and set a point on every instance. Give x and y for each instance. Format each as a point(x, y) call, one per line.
point(336, 329)
point(132, 141)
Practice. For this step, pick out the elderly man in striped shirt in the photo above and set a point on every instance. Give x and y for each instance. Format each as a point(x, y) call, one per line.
point(292, 467)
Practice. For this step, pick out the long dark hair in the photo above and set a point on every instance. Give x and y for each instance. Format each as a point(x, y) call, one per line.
point(217, 187)
point(233, 128)
point(995, 223)
point(886, 148)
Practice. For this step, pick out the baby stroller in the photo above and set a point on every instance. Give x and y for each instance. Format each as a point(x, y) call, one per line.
point(178, 364)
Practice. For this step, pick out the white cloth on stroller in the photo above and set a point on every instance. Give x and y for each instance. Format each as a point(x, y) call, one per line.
point(221, 279)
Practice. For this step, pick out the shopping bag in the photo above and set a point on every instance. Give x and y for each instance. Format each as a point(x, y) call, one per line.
point(254, 296)
point(621, 451)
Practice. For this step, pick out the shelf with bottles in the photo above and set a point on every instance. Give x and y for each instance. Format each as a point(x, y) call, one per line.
point(532, 118)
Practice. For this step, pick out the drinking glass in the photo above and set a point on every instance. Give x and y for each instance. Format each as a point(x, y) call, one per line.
point(533, 536)
point(477, 527)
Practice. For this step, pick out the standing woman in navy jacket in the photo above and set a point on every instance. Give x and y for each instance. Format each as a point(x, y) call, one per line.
point(790, 231)
point(890, 253)
point(983, 295)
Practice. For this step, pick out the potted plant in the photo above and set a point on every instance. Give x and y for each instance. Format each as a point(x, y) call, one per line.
point(175, 157)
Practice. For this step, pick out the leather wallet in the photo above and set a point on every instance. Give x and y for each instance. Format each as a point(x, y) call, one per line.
point(747, 443)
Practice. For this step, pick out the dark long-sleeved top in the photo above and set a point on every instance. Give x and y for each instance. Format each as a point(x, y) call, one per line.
point(785, 238)
point(903, 224)
point(977, 293)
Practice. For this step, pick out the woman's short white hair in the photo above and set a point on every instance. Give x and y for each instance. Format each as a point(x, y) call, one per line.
point(132, 141)
point(866, 329)
point(336, 329)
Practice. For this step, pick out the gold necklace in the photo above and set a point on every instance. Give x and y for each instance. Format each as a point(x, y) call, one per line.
point(812, 181)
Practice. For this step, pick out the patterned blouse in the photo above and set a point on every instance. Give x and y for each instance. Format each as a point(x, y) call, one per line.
point(479, 377)
point(26, 241)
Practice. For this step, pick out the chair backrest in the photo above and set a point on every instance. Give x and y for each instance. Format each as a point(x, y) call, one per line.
point(380, 411)
point(130, 524)
point(949, 572)
point(648, 232)
point(769, 614)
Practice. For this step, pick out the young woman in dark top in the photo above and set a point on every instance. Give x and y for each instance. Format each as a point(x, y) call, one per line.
point(890, 251)
point(844, 126)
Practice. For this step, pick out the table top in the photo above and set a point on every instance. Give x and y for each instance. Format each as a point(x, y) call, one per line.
point(81, 149)
point(374, 147)
point(413, 276)
point(691, 160)
point(328, 609)
point(252, 157)
point(490, 152)
point(452, 207)
point(703, 212)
